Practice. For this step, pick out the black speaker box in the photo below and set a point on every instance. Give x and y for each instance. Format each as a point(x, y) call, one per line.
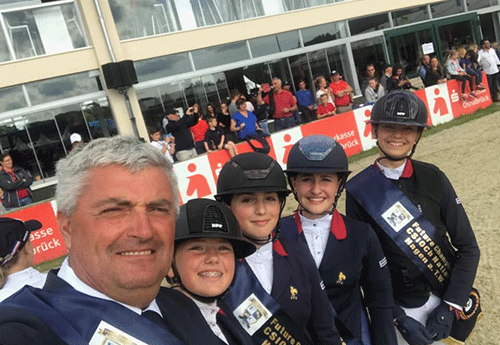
point(119, 74)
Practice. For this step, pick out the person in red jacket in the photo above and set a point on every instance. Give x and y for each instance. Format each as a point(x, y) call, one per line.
point(342, 92)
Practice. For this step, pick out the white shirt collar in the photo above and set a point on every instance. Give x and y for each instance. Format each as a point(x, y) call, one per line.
point(393, 174)
point(67, 274)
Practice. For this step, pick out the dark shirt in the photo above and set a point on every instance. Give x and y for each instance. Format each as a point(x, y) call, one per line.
point(180, 131)
point(213, 137)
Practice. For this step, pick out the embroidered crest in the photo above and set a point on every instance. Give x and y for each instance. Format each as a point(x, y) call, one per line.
point(106, 334)
point(397, 216)
point(252, 314)
point(383, 262)
point(293, 293)
point(341, 278)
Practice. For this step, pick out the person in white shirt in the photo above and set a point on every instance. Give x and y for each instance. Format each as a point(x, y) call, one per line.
point(16, 256)
point(166, 146)
point(488, 59)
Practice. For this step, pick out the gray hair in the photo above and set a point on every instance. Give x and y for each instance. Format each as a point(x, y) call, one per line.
point(73, 171)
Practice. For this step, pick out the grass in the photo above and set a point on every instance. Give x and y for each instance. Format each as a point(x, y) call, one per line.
point(495, 107)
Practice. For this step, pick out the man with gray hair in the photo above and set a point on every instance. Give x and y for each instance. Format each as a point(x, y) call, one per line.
point(284, 105)
point(117, 202)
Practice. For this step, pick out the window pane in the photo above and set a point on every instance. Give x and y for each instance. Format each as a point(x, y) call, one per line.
point(99, 119)
point(195, 93)
point(319, 64)
point(12, 98)
point(368, 24)
point(274, 44)
point(220, 55)
point(44, 30)
point(4, 48)
point(62, 87)
point(324, 33)
point(368, 52)
point(447, 8)
point(300, 69)
point(478, 4)
point(410, 15)
point(154, 101)
point(279, 68)
point(162, 67)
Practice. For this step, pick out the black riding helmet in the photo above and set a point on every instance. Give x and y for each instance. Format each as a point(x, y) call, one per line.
point(400, 108)
point(252, 172)
point(317, 154)
point(205, 218)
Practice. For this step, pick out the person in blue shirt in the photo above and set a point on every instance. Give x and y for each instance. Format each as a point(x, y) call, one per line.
point(305, 101)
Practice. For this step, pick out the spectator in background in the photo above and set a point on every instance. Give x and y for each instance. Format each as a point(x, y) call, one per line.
point(211, 112)
point(456, 72)
point(199, 130)
point(284, 102)
point(15, 183)
point(386, 76)
point(16, 256)
point(322, 87)
point(296, 116)
point(305, 101)
point(370, 73)
point(76, 140)
point(235, 95)
point(224, 119)
point(342, 93)
point(261, 111)
point(488, 59)
point(167, 146)
point(374, 91)
point(245, 124)
point(398, 81)
point(179, 128)
point(215, 139)
point(470, 65)
point(326, 108)
point(435, 73)
point(424, 65)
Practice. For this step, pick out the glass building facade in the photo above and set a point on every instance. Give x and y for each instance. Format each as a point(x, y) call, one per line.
point(190, 51)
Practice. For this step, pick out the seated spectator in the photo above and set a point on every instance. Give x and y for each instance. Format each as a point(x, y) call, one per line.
point(423, 66)
point(305, 101)
point(199, 130)
point(235, 95)
point(15, 183)
point(370, 73)
point(244, 123)
point(167, 146)
point(203, 270)
point(342, 93)
point(386, 76)
point(326, 108)
point(471, 66)
point(323, 88)
point(179, 128)
point(435, 73)
point(374, 91)
point(211, 111)
point(456, 72)
point(16, 256)
point(215, 139)
point(398, 81)
point(224, 119)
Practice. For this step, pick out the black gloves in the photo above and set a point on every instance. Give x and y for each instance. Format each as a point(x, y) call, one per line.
point(440, 321)
point(413, 331)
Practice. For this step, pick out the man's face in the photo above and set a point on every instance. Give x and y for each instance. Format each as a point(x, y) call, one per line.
point(427, 59)
point(7, 163)
point(302, 85)
point(277, 84)
point(370, 71)
point(388, 71)
point(336, 77)
point(120, 236)
point(486, 44)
